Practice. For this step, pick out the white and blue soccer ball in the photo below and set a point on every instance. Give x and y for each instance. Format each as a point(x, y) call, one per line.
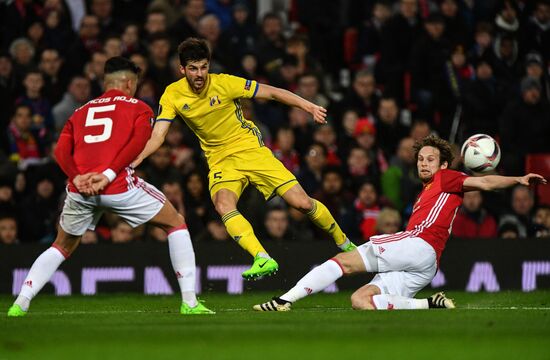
point(481, 153)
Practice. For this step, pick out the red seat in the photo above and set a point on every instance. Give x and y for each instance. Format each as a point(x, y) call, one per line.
point(540, 164)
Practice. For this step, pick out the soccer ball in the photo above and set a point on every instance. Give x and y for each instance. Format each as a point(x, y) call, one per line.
point(481, 153)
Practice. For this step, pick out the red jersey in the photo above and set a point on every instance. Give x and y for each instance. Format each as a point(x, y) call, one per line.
point(106, 133)
point(434, 211)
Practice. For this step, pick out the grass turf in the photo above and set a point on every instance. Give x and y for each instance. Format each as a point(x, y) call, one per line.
point(506, 325)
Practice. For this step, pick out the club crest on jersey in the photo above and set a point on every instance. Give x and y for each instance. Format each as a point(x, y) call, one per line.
point(215, 100)
point(186, 107)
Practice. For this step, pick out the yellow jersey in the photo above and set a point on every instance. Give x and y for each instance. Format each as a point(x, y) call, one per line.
point(214, 115)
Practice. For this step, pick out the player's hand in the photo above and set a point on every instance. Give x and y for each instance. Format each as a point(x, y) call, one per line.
point(532, 179)
point(83, 183)
point(99, 182)
point(319, 114)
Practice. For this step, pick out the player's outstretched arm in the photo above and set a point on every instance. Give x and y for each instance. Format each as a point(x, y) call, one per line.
point(496, 182)
point(155, 141)
point(268, 92)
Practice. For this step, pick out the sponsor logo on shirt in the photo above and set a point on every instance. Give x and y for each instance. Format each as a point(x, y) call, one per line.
point(215, 100)
point(186, 107)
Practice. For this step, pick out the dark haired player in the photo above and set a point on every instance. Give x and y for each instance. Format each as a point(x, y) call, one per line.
point(405, 262)
point(94, 150)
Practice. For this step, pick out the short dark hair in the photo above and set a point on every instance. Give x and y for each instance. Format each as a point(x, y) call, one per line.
point(119, 63)
point(445, 150)
point(193, 49)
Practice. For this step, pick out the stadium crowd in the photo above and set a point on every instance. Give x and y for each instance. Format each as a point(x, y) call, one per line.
point(389, 73)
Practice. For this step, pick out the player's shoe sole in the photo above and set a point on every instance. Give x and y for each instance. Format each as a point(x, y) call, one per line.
point(16, 311)
point(275, 304)
point(198, 309)
point(261, 267)
point(440, 301)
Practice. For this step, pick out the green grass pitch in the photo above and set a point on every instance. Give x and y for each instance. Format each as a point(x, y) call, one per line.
point(506, 325)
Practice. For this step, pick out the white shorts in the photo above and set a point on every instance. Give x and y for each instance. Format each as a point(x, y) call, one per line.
point(135, 206)
point(404, 267)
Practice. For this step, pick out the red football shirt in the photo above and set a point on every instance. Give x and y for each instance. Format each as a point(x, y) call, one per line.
point(108, 132)
point(434, 211)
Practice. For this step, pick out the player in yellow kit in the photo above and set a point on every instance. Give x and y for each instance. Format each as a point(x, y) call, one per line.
point(236, 155)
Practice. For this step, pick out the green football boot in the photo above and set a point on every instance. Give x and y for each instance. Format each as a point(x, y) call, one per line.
point(347, 246)
point(16, 311)
point(261, 267)
point(199, 309)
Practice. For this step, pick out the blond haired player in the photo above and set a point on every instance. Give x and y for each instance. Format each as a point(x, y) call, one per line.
point(210, 105)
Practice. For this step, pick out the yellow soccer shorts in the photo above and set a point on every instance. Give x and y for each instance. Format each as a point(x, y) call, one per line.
point(256, 166)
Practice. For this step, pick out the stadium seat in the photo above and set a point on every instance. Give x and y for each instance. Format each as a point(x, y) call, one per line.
point(540, 164)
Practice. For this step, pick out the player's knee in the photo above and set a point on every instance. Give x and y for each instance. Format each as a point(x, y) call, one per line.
point(303, 204)
point(361, 302)
point(223, 207)
point(347, 266)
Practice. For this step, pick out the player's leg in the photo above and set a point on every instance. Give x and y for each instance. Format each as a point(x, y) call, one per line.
point(182, 256)
point(317, 279)
point(42, 270)
point(225, 202)
point(318, 214)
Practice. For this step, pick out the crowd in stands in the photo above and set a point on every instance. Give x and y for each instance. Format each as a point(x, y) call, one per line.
point(389, 73)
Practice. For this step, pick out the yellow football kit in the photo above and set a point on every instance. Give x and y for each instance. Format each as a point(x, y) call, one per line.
point(233, 145)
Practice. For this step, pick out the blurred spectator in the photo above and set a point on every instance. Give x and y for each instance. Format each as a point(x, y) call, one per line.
point(506, 20)
point(103, 9)
point(58, 32)
point(17, 18)
point(199, 209)
point(276, 224)
point(297, 46)
point(174, 193)
point(302, 126)
point(428, 56)
point(309, 89)
point(324, 134)
point(310, 175)
point(541, 221)
point(159, 168)
point(420, 129)
point(182, 155)
point(222, 9)
point(345, 136)
point(35, 33)
point(7, 91)
point(77, 95)
point(42, 118)
point(536, 32)
point(365, 135)
point(456, 30)
point(55, 80)
point(7, 200)
point(240, 36)
point(398, 35)
point(121, 232)
point(521, 119)
point(24, 146)
point(8, 230)
point(508, 231)
point(283, 149)
point(159, 61)
point(389, 128)
point(209, 29)
point(156, 23)
point(388, 222)
point(286, 75)
point(112, 46)
point(85, 44)
point(131, 43)
point(472, 220)
point(483, 101)
point(367, 208)
point(338, 200)
point(22, 52)
point(362, 96)
point(522, 208)
point(400, 183)
point(187, 24)
point(369, 40)
point(94, 72)
point(37, 213)
point(534, 68)
point(506, 58)
point(270, 47)
point(482, 48)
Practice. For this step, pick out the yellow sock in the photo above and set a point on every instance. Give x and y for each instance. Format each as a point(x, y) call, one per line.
point(241, 231)
point(324, 220)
